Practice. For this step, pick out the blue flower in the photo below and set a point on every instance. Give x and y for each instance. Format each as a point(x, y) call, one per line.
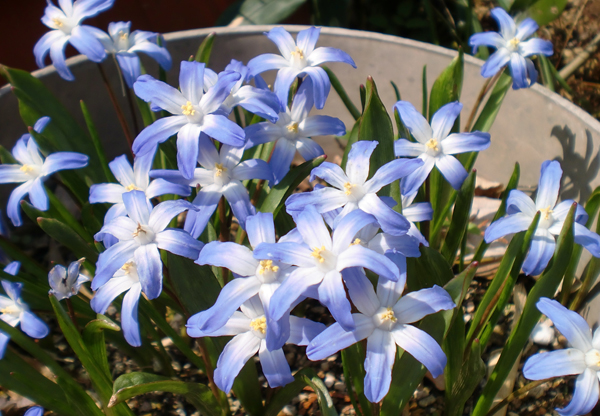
point(298, 58)
point(321, 258)
point(34, 411)
point(125, 279)
point(141, 234)
point(33, 170)
point(14, 311)
point(249, 328)
point(220, 174)
point(512, 48)
point(253, 277)
point(351, 190)
point(65, 283)
point(259, 101)
point(417, 212)
point(581, 359)
point(384, 320)
point(435, 145)
point(129, 179)
point(66, 28)
point(293, 131)
point(521, 209)
point(125, 45)
point(194, 112)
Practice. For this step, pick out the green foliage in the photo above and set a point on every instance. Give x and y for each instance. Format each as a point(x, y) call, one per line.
point(259, 12)
point(205, 49)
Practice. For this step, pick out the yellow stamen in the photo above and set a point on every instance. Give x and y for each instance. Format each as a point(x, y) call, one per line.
point(267, 266)
point(132, 187)
point(57, 22)
point(123, 35)
point(389, 315)
point(298, 53)
point(26, 168)
point(139, 230)
point(220, 169)
point(188, 109)
point(127, 267)
point(317, 254)
point(12, 309)
point(433, 144)
point(355, 242)
point(293, 127)
point(259, 324)
point(514, 42)
point(348, 188)
point(546, 213)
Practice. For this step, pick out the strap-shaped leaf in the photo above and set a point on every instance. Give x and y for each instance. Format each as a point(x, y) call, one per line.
point(93, 337)
point(205, 48)
point(339, 88)
point(69, 238)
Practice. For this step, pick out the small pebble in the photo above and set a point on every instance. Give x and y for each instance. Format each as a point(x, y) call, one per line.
point(288, 410)
point(339, 386)
point(429, 400)
point(422, 393)
point(329, 380)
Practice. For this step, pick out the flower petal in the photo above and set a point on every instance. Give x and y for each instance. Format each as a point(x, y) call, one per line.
point(327, 54)
point(292, 288)
point(37, 195)
point(443, 120)
point(284, 79)
point(307, 39)
point(508, 29)
point(332, 294)
point(84, 39)
point(536, 47)
point(191, 81)
point(33, 326)
point(391, 171)
point(411, 183)
point(283, 40)
point(321, 84)
point(62, 161)
point(239, 201)
point(381, 354)
point(335, 338)
point(549, 185)
point(421, 346)
point(187, 149)
point(157, 132)
point(266, 62)
point(13, 208)
point(109, 291)
point(224, 130)
point(452, 169)
point(260, 229)
point(540, 253)
point(465, 142)
point(281, 159)
point(569, 323)
point(495, 63)
point(508, 225)
point(232, 256)
point(237, 324)
point(275, 366)
point(361, 291)
point(179, 242)
point(164, 212)
point(287, 252)
point(149, 264)
point(391, 221)
point(414, 121)
point(235, 354)
point(519, 202)
point(585, 395)
point(414, 306)
point(526, 28)
point(492, 39)
point(111, 260)
point(303, 331)
point(129, 316)
point(359, 256)
point(160, 94)
point(557, 363)
point(405, 148)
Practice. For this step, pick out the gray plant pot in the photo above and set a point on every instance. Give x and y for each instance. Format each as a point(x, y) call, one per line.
point(533, 125)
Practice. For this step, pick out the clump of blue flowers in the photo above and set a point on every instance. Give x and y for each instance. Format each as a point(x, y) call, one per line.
point(225, 240)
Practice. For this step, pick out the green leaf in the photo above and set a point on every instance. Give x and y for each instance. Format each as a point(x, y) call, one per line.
point(97, 143)
point(135, 384)
point(448, 85)
point(205, 48)
point(325, 403)
point(545, 287)
point(259, 12)
point(492, 106)
point(353, 358)
point(376, 125)
point(93, 337)
point(460, 218)
point(273, 202)
point(69, 238)
point(424, 91)
point(431, 268)
point(460, 390)
point(351, 138)
point(339, 88)
point(545, 11)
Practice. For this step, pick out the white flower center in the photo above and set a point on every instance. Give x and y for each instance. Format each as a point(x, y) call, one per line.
point(513, 44)
point(297, 59)
point(221, 176)
point(385, 318)
point(122, 43)
point(267, 271)
point(546, 218)
point(31, 170)
point(433, 147)
point(353, 191)
point(259, 327)
point(592, 359)
point(325, 260)
point(13, 309)
point(143, 234)
point(193, 112)
point(132, 187)
point(65, 25)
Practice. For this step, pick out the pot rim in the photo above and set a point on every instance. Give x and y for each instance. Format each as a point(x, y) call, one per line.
point(225, 31)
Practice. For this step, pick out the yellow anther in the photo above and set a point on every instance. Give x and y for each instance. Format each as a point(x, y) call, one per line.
point(139, 230)
point(188, 109)
point(26, 168)
point(389, 315)
point(11, 310)
point(267, 266)
point(348, 188)
point(355, 242)
point(219, 168)
point(433, 144)
point(514, 42)
point(317, 254)
point(132, 187)
point(298, 53)
point(127, 267)
point(57, 22)
point(123, 35)
point(293, 127)
point(259, 324)
point(546, 213)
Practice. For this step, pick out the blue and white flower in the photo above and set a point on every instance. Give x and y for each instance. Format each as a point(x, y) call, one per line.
point(32, 170)
point(132, 179)
point(298, 58)
point(249, 330)
point(435, 145)
point(14, 311)
point(294, 131)
point(34, 411)
point(66, 26)
point(221, 174)
point(125, 279)
point(416, 212)
point(384, 320)
point(581, 359)
point(259, 101)
point(512, 48)
point(521, 210)
point(141, 234)
point(125, 45)
point(351, 189)
point(64, 282)
point(321, 257)
point(193, 112)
